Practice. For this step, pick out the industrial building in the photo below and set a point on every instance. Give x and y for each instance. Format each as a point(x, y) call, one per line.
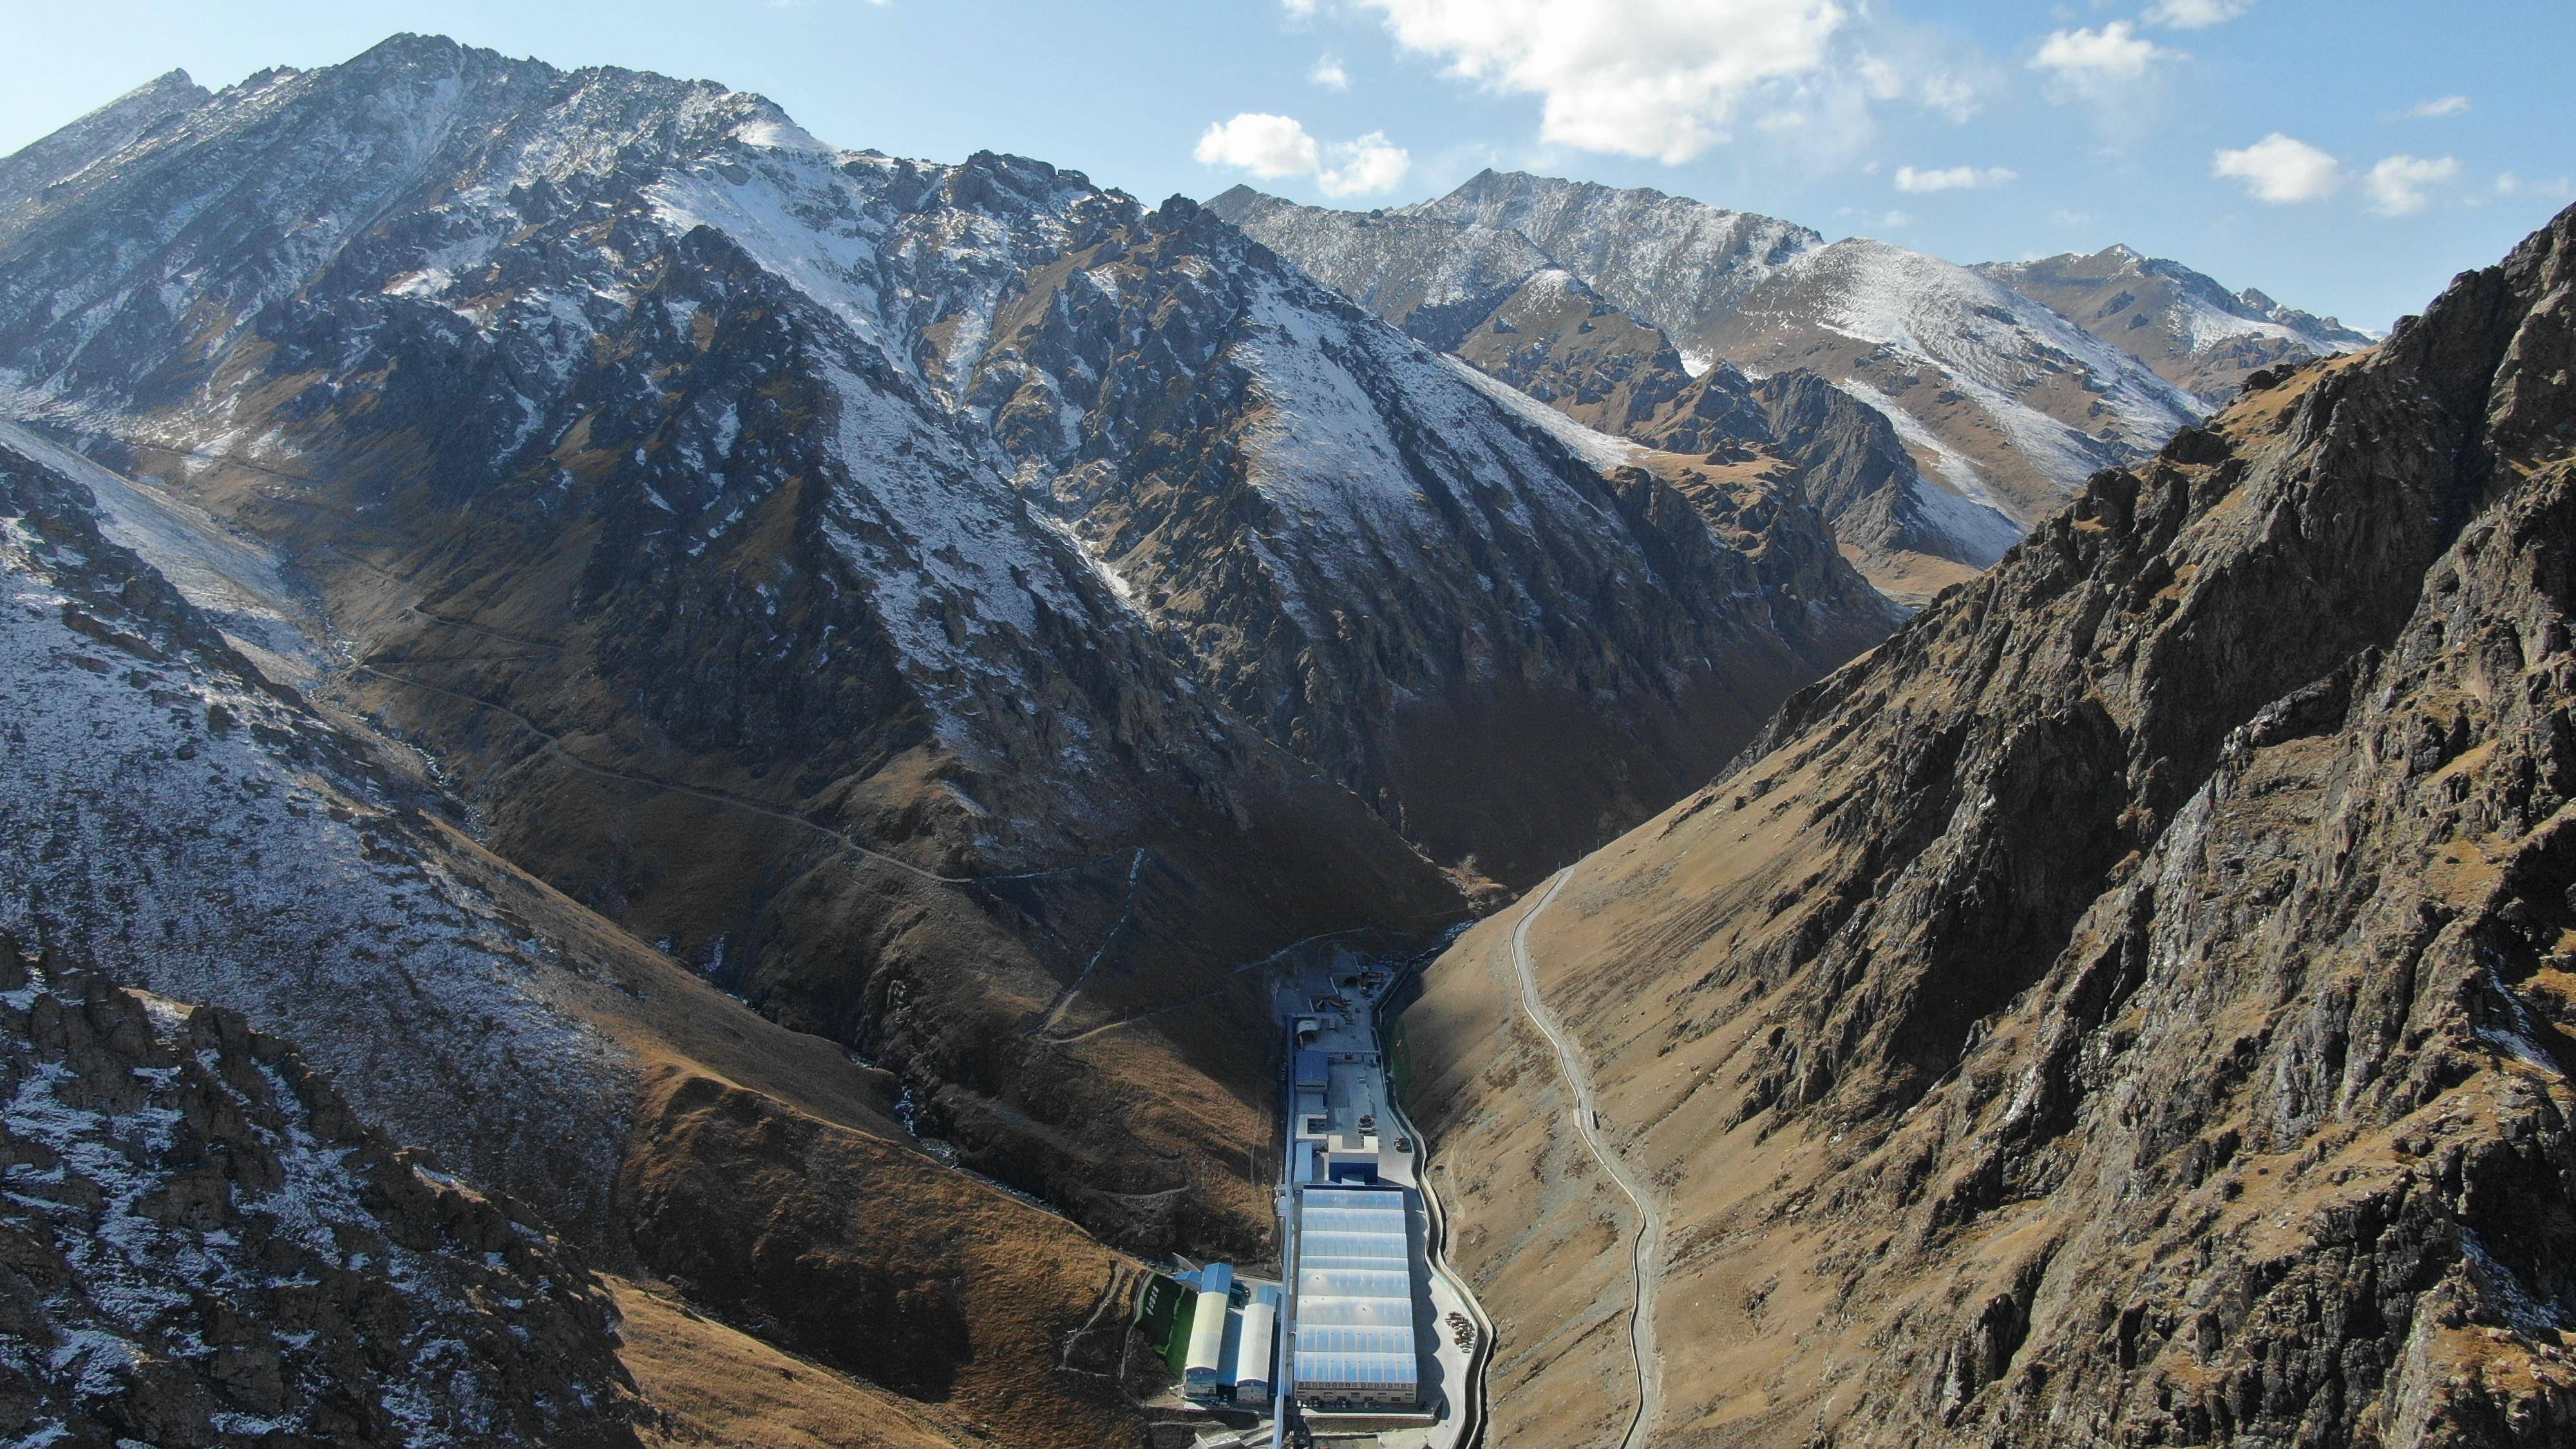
point(1356, 1280)
point(1202, 1369)
point(1253, 1349)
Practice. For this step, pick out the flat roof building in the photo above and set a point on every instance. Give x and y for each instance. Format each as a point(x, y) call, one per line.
point(1355, 1285)
point(1312, 1070)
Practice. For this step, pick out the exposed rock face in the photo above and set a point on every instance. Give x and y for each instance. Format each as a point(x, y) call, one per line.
point(2195, 333)
point(2132, 1004)
point(1671, 261)
point(205, 1247)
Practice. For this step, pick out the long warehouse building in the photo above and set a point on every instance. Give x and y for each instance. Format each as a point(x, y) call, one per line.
point(1354, 1310)
point(1200, 1375)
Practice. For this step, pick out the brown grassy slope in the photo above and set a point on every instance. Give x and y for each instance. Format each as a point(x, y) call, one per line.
point(2129, 1005)
point(710, 1386)
point(765, 1179)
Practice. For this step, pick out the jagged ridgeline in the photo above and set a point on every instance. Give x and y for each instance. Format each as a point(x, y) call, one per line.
point(2133, 1005)
point(1930, 411)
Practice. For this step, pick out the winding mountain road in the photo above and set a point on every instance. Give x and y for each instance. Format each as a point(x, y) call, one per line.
point(1650, 1215)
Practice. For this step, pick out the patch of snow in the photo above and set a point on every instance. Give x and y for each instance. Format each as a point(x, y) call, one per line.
point(239, 583)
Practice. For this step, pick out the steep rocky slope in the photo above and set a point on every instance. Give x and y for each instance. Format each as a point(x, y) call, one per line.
point(860, 576)
point(94, 137)
point(1673, 262)
point(1403, 574)
point(2129, 1006)
point(175, 818)
point(204, 1247)
point(2195, 333)
point(1486, 294)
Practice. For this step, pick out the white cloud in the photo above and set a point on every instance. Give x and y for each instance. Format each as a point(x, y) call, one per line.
point(2097, 64)
point(2195, 14)
point(1328, 73)
point(2068, 216)
point(1659, 78)
point(1299, 8)
point(1954, 178)
point(2396, 185)
point(1263, 144)
point(2438, 107)
point(1897, 218)
point(1273, 147)
point(1356, 168)
point(2509, 184)
point(2281, 169)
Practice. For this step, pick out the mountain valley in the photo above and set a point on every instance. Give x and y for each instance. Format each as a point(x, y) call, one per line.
point(667, 784)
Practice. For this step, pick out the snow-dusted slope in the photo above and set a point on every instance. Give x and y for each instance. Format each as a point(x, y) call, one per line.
point(100, 134)
point(167, 816)
point(1338, 527)
point(236, 581)
point(2195, 333)
point(1667, 259)
point(1487, 294)
point(1433, 278)
point(2026, 404)
point(206, 1248)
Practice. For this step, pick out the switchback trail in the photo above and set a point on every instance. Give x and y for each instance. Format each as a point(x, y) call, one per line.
point(1650, 1216)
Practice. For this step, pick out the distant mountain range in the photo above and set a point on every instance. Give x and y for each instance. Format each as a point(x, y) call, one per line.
point(2006, 386)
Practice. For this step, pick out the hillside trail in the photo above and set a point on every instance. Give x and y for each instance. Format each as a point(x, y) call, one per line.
point(1646, 1271)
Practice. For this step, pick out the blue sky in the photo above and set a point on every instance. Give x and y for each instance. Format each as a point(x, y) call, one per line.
point(2345, 155)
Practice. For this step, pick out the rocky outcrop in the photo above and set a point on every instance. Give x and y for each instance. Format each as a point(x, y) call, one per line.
point(2195, 333)
point(2127, 1006)
point(206, 1248)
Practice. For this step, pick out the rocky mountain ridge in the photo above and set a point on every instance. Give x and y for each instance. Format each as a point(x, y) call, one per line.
point(2195, 333)
point(1489, 296)
point(2003, 405)
point(2130, 1005)
point(94, 137)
